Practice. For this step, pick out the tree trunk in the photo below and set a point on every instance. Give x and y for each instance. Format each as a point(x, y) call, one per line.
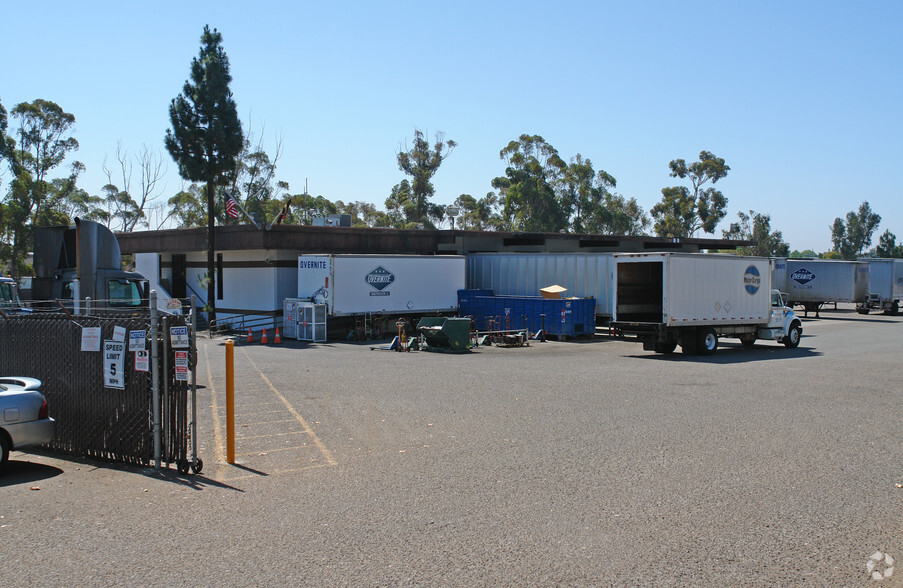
point(211, 255)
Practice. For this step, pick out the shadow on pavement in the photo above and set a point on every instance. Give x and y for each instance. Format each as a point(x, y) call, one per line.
point(731, 353)
point(26, 472)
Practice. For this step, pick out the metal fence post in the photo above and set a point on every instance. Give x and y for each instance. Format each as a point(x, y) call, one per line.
point(166, 420)
point(155, 388)
point(193, 429)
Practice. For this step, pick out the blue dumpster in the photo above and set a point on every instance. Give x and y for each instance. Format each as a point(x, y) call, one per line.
point(564, 317)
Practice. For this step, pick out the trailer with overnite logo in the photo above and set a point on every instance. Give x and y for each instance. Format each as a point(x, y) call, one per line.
point(668, 299)
point(811, 283)
point(385, 285)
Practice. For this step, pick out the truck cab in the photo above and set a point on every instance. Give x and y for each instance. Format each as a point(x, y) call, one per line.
point(9, 295)
point(783, 325)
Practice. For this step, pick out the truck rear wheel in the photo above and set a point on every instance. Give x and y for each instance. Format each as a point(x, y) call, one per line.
point(707, 342)
point(748, 340)
point(862, 310)
point(793, 336)
point(894, 308)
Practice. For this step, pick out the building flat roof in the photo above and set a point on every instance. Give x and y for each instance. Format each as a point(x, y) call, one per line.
point(310, 239)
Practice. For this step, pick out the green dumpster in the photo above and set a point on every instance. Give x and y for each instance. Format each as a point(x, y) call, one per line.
point(445, 333)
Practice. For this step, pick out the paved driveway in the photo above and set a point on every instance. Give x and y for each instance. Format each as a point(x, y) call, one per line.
point(572, 463)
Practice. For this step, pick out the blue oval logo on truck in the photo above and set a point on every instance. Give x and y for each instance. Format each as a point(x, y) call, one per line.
point(752, 279)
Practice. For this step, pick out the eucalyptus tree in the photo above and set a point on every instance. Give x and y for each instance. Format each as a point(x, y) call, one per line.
point(682, 211)
point(421, 162)
point(528, 189)
point(44, 142)
point(757, 227)
point(206, 137)
point(853, 235)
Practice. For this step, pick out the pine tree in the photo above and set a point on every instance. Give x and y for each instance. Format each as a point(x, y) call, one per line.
point(206, 135)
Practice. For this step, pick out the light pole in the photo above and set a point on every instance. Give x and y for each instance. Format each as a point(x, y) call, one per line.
point(452, 212)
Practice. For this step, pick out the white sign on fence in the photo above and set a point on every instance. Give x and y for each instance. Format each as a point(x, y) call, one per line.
point(142, 361)
point(137, 340)
point(118, 333)
point(114, 364)
point(178, 337)
point(181, 366)
point(90, 338)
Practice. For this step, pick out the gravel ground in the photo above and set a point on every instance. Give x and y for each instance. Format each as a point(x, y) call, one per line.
point(579, 463)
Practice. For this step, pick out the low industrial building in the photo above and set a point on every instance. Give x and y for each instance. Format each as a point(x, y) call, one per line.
point(256, 270)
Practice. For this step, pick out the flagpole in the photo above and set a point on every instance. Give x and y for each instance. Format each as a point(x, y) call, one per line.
point(241, 208)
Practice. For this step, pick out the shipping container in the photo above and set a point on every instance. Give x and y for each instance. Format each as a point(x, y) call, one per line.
point(351, 285)
point(523, 274)
point(813, 282)
point(666, 299)
point(560, 317)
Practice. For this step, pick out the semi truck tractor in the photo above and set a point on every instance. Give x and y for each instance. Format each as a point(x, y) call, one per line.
point(84, 261)
point(689, 299)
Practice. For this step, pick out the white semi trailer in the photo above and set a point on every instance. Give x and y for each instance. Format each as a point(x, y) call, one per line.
point(885, 290)
point(670, 299)
point(356, 285)
point(810, 283)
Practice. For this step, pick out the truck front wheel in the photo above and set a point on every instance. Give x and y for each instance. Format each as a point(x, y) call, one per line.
point(793, 336)
point(708, 342)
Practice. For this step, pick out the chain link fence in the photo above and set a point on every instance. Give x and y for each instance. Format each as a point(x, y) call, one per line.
point(94, 420)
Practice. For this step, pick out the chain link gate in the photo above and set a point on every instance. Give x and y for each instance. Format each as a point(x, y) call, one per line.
point(95, 421)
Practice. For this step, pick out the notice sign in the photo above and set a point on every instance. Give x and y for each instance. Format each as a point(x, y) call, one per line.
point(142, 361)
point(90, 338)
point(181, 366)
point(137, 340)
point(114, 364)
point(178, 337)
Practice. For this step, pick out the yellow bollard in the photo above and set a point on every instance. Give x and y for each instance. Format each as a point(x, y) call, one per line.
point(230, 402)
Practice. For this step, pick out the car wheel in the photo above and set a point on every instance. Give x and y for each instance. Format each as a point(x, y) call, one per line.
point(5, 447)
point(793, 336)
point(708, 342)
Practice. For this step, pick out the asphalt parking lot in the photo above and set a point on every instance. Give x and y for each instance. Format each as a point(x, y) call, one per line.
point(579, 463)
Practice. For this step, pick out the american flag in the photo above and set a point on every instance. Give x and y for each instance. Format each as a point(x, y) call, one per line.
point(231, 206)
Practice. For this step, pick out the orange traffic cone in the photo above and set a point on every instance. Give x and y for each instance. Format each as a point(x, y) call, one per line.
point(263, 338)
point(277, 340)
point(250, 336)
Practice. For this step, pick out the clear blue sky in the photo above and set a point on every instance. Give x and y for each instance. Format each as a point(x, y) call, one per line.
point(802, 99)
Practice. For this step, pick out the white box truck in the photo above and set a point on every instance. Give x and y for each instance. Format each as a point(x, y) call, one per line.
point(353, 285)
point(692, 299)
point(810, 283)
point(885, 286)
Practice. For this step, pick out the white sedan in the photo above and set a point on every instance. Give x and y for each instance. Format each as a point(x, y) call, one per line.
point(24, 418)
